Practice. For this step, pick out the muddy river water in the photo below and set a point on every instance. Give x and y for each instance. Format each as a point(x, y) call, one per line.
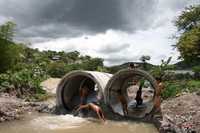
point(43, 123)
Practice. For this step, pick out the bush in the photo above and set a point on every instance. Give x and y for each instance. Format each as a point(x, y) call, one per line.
point(171, 76)
point(173, 89)
point(24, 84)
point(196, 71)
point(9, 55)
point(56, 69)
point(4, 82)
point(193, 85)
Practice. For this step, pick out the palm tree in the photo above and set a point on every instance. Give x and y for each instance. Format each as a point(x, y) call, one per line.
point(144, 59)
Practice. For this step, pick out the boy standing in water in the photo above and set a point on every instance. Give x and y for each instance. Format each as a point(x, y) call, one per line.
point(123, 101)
point(138, 98)
point(157, 100)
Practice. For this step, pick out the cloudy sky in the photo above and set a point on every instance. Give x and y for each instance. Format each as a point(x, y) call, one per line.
point(116, 30)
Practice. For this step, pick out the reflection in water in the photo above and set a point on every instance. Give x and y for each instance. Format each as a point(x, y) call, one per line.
point(37, 123)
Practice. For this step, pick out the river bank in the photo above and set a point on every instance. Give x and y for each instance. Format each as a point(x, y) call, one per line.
point(12, 108)
point(180, 114)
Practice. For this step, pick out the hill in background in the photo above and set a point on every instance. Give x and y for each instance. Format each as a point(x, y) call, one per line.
point(182, 65)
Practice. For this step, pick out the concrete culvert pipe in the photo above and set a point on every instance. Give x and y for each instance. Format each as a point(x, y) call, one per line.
point(67, 92)
point(127, 82)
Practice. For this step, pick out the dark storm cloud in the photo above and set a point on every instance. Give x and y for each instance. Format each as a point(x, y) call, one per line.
point(95, 15)
point(58, 18)
point(100, 15)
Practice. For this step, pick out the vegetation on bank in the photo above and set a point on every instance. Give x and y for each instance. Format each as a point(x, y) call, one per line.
point(176, 87)
point(22, 69)
point(188, 44)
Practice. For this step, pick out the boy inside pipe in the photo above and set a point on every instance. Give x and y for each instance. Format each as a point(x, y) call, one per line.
point(134, 94)
point(91, 105)
point(123, 82)
point(137, 85)
point(123, 101)
point(138, 97)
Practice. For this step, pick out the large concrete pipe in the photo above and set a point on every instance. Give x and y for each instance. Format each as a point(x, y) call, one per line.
point(123, 80)
point(68, 89)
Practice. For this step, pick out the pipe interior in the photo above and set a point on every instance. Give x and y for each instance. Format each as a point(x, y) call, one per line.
point(127, 82)
point(71, 96)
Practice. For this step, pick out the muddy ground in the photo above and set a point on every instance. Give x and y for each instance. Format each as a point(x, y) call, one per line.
point(13, 108)
point(182, 114)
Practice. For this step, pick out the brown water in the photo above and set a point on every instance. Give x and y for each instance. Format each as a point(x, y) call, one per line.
point(37, 123)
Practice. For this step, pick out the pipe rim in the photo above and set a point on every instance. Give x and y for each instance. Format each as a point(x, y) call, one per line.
point(60, 88)
point(135, 71)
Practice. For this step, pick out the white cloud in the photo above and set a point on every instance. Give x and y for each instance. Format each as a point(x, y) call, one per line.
point(4, 19)
point(117, 47)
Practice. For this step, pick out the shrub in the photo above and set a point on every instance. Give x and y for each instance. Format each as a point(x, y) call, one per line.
point(193, 85)
point(4, 82)
point(196, 71)
point(171, 76)
point(24, 84)
point(56, 69)
point(173, 88)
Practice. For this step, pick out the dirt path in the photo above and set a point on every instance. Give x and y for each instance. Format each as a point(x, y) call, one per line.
point(50, 85)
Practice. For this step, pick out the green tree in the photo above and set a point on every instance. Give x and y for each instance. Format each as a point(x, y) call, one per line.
point(189, 18)
point(160, 71)
point(73, 55)
point(189, 45)
point(92, 64)
point(144, 60)
point(7, 31)
point(9, 51)
point(56, 69)
point(189, 41)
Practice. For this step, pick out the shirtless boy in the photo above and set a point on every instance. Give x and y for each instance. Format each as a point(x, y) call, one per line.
point(84, 91)
point(157, 100)
point(95, 108)
point(123, 101)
